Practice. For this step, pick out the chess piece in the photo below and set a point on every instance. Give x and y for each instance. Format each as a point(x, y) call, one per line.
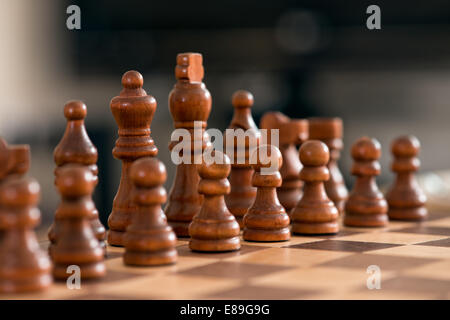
point(242, 192)
point(76, 147)
point(315, 213)
point(405, 198)
point(329, 131)
point(14, 159)
point(190, 105)
point(366, 206)
point(23, 265)
point(214, 228)
point(266, 219)
point(76, 243)
point(149, 240)
point(133, 111)
point(292, 133)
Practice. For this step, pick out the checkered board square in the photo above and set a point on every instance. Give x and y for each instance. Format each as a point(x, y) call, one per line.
point(413, 260)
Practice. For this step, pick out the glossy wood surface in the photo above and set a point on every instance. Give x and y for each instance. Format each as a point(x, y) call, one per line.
point(366, 206)
point(405, 198)
point(315, 213)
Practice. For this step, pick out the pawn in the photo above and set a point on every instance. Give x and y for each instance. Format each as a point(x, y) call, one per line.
point(214, 228)
point(292, 133)
point(315, 213)
point(366, 206)
point(149, 240)
point(75, 147)
point(76, 243)
point(266, 219)
point(23, 265)
point(405, 198)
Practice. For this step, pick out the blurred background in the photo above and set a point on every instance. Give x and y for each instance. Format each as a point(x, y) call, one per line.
point(304, 58)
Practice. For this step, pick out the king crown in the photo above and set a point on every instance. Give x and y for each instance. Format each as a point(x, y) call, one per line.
point(189, 67)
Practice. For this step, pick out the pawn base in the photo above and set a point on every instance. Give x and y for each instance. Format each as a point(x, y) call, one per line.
point(181, 228)
point(148, 258)
point(115, 238)
point(87, 271)
point(264, 235)
point(340, 205)
point(315, 228)
point(36, 283)
point(221, 245)
point(408, 214)
point(365, 220)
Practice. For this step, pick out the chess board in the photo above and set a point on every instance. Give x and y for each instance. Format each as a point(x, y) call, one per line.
point(414, 260)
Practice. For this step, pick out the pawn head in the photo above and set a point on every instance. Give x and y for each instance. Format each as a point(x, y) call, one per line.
point(268, 157)
point(73, 180)
point(18, 192)
point(366, 149)
point(405, 146)
point(132, 80)
point(218, 169)
point(314, 153)
point(242, 99)
point(75, 110)
point(148, 172)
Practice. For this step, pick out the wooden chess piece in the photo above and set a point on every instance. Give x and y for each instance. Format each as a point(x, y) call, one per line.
point(14, 159)
point(190, 105)
point(315, 213)
point(133, 111)
point(76, 147)
point(149, 240)
point(76, 243)
point(23, 265)
point(366, 206)
point(214, 228)
point(292, 133)
point(405, 198)
point(266, 219)
point(329, 131)
point(242, 192)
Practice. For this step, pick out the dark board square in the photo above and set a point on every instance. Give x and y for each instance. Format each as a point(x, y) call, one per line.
point(422, 229)
point(437, 243)
point(342, 233)
point(262, 293)
point(385, 262)
point(184, 251)
point(345, 246)
point(235, 270)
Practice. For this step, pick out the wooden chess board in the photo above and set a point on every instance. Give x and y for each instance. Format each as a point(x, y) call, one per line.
point(414, 260)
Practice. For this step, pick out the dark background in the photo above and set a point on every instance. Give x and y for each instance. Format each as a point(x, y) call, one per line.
point(304, 58)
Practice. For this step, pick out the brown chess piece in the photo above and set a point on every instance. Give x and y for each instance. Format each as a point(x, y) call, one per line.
point(405, 198)
point(133, 111)
point(266, 219)
point(189, 104)
point(76, 147)
point(76, 243)
point(292, 133)
point(315, 213)
point(23, 265)
point(329, 131)
point(214, 228)
point(366, 206)
point(14, 159)
point(149, 240)
point(242, 192)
